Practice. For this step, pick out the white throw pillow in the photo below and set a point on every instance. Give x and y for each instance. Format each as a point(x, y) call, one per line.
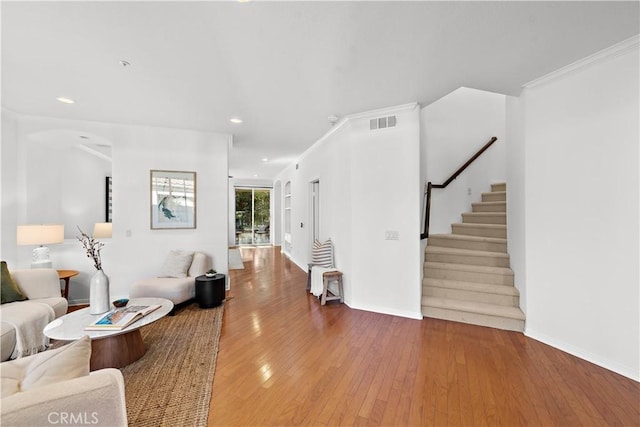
point(177, 264)
point(49, 367)
point(322, 254)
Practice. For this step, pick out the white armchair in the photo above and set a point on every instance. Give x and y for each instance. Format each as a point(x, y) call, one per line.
point(55, 387)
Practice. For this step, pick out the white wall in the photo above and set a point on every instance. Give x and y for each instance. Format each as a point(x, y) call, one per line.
point(136, 150)
point(580, 135)
point(8, 186)
point(453, 129)
point(368, 185)
point(277, 214)
point(516, 196)
point(64, 185)
point(47, 179)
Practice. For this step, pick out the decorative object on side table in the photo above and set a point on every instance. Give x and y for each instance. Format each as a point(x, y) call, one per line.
point(99, 286)
point(210, 273)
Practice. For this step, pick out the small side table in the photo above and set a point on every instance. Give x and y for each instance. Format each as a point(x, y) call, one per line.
point(66, 275)
point(210, 291)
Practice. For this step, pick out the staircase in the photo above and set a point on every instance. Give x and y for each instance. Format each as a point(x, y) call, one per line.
point(466, 274)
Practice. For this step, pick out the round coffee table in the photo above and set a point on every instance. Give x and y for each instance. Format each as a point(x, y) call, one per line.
point(109, 349)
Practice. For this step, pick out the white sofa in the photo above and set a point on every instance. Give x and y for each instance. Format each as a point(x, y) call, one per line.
point(175, 288)
point(55, 388)
point(40, 285)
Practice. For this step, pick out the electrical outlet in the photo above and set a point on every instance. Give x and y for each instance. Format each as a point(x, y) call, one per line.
point(391, 235)
point(469, 191)
point(127, 233)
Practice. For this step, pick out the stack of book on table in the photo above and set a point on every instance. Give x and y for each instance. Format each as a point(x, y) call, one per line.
point(120, 318)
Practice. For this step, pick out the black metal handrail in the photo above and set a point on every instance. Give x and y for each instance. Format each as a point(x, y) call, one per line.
point(429, 185)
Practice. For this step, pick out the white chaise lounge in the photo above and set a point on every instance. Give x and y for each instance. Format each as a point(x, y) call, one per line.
point(176, 281)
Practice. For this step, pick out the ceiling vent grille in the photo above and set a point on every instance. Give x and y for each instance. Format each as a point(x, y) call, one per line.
point(382, 123)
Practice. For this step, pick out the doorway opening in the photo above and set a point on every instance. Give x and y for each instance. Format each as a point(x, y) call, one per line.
point(315, 211)
point(253, 216)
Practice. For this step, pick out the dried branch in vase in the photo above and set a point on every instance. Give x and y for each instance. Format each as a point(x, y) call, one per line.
point(93, 247)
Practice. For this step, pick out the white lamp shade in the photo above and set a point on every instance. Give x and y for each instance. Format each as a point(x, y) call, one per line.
point(41, 234)
point(102, 230)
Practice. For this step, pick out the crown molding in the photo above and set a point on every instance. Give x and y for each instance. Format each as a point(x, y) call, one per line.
point(625, 46)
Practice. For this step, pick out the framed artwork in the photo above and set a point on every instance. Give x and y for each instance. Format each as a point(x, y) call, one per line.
point(109, 199)
point(173, 199)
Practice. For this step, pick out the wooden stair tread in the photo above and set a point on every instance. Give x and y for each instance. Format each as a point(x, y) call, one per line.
point(472, 268)
point(474, 307)
point(489, 203)
point(470, 286)
point(472, 225)
point(465, 252)
point(485, 213)
point(469, 237)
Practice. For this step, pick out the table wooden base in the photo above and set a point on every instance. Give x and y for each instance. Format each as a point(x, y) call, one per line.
point(116, 351)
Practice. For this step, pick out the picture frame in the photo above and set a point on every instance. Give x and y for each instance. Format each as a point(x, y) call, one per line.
point(108, 199)
point(173, 199)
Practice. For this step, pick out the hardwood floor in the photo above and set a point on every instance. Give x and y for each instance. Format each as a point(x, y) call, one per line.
point(285, 360)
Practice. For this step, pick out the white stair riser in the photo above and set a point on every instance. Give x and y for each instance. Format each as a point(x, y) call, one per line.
point(472, 245)
point(484, 218)
point(501, 186)
point(480, 231)
point(494, 197)
point(489, 261)
point(465, 295)
point(474, 318)
point(469, 276)
point(489, 207)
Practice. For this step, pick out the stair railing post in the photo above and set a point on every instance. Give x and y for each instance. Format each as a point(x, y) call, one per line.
point(428, 211)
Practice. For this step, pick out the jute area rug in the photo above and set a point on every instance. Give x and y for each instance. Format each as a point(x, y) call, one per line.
point(171, 384)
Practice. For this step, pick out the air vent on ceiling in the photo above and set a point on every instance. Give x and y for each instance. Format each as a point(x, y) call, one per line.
point(382, 122)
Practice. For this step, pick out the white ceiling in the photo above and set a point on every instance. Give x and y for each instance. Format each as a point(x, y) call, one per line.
point(283, 67)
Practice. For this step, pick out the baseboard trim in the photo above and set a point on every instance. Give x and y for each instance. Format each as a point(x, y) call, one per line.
point(386, 310)
point(583, 354)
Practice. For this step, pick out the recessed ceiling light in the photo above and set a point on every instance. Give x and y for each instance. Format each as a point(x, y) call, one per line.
point(124, 63)
point(65, 100)
point(84, 137)
point(264, 159)
point(236, 120)
point(255, 176)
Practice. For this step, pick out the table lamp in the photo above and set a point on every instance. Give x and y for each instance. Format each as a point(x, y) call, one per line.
point(102, 230)
point(41, 234)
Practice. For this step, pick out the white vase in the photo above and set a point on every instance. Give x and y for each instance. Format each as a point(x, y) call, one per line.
point(99, 293)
